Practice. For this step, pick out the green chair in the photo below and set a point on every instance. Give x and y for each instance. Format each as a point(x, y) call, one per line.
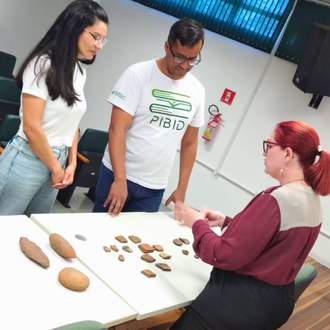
point(91, 148)
point(9, 128)
point(7, 64)
point(304, 278)
point(10, 97)
point(82, 325)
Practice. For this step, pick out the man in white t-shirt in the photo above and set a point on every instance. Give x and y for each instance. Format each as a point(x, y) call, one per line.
point(157, 105)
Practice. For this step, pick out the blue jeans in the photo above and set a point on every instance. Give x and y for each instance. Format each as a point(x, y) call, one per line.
point(25, 181)
point(139, 199)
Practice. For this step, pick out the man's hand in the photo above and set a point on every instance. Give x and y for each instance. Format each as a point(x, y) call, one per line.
point(177, 195)
point(117, 197)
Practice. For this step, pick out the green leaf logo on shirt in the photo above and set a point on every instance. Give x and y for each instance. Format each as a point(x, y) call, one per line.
point(118, 94)
point(170, 104)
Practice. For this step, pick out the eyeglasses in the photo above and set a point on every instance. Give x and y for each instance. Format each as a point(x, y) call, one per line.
point(182, 59)
point(98, 39)
point(266, 145)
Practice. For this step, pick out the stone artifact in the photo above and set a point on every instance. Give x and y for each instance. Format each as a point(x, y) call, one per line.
point(61, 246)
point(177, 242)
point(81, 237)
point(159, 248)
point(127, 249)
point(33, 251)
point(121, 239)
point(73, 279)
point(134, 239)
point(148, 273)
point(184, 240)
point(165, 255)
point(164, 267)
point(106, 249)
point(114, 248)
point(186, 252)
point(148, 258)
point(121, 257)
point(196, 256)
point(146, 248)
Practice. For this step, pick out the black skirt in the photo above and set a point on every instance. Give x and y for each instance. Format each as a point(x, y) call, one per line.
point(231, 301)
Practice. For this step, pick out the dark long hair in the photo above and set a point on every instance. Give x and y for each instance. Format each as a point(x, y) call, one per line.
point(60, 44)
point(305, 142)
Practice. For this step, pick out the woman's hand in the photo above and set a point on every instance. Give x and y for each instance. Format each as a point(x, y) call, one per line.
point(67, 178)
point(215, 218)
point(186, 215)
point(57, 176)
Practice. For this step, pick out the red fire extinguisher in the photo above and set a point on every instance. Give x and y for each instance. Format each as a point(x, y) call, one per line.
point(213, 123)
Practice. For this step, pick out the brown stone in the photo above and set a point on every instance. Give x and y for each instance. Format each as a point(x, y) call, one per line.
point(177, 242)
point(106, 249)
point(184, 240)
point(148, 273)
point(114, 248)
point(196, 256)
point(121, 257)
point(165, 255)
point(121, 239)
point(146, 248)
point(164, 267)
point(61, 246)
point(159, 248)
point(73, 279)
point(33, 252)
point(134, 239)
point(148, 258)
point(127, 249)
point(186, 252)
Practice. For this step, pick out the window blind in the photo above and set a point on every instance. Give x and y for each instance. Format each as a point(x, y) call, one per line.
point(298, 31)
point(256, 23)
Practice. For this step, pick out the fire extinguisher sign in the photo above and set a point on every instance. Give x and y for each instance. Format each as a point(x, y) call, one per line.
point(228, 96)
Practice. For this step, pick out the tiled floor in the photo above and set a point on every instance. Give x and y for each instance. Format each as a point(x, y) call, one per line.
point(81, 204)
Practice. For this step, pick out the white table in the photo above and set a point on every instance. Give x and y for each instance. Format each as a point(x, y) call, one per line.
point(147, 296)
point(31, 296)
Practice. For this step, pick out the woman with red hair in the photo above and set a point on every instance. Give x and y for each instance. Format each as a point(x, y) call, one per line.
point(262, 248)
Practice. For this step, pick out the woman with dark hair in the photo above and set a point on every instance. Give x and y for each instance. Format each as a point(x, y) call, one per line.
point(52, 78)
point(262, 248)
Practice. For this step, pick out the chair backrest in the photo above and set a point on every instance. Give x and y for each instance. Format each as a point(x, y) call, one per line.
point(82, 325)
point(304, 278)
point(9, 91)
point(7, 64)
point(9, 128)
point(93, 140)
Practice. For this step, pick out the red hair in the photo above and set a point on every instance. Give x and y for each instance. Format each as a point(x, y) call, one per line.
point(304, 141)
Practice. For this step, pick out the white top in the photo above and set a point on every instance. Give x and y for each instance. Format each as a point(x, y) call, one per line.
point(299, 206)
point(32, 297)
point(59, 122)
point(162, 109)
point(147, 296)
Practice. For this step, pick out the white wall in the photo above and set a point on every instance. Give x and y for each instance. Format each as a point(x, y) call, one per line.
point(228, 170)
point(24, 22)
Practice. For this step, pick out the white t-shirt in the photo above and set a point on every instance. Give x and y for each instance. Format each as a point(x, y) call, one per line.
point(162, 109)
point(59, 122)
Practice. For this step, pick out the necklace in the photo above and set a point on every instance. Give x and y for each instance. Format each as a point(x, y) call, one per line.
point(293, 181)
